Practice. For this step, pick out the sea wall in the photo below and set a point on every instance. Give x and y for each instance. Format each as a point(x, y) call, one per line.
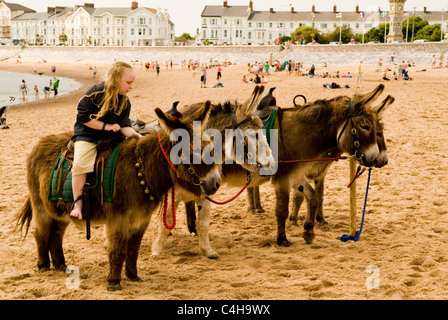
point(336, 55)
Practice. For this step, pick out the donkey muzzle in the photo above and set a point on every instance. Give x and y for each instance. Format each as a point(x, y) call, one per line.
point(211, 183)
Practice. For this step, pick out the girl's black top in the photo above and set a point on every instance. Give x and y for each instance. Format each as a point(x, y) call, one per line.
point(89, 106)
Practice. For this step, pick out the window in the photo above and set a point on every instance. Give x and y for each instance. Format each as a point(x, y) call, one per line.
point(249, 35)
point(225, 33)
point(357, 26)
point(132, 31)
point(225, 21)
point(141, 20)
point(204, 34)
point(270, 24)
point(250, 24)
point(291, 25)
point(323, 26)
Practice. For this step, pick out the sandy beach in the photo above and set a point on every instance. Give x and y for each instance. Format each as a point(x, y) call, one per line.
point(405, 231)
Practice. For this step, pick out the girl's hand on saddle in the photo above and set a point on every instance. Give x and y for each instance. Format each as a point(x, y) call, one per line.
point(115, 127)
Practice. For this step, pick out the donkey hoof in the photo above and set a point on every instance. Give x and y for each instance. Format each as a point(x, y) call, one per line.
point(211, 254)
point(134, 278)
point(308, 236)
point(260, 210)
point(321, 221)
point(112, 287)
point(284, 242)
point(251, 211)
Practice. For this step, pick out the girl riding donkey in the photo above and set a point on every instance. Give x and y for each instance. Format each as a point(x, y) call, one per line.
point(103, 113)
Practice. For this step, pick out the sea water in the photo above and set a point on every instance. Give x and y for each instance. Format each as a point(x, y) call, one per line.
point(10, 86)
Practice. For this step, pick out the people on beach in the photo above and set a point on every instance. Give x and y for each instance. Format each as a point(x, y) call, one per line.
point(24, 89)
point(203, 76)
point(112, 120)
point(47, 90)
point(56, 86)
point(359, 73)
point(36, 90)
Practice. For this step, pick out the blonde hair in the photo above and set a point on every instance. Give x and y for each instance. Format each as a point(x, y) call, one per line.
point(111, 88)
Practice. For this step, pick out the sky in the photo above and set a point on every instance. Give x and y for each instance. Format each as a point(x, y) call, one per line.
point(186, 15)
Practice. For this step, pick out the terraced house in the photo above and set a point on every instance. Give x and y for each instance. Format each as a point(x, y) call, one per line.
point(87, 25)
point(242, 25)
point(9, 11)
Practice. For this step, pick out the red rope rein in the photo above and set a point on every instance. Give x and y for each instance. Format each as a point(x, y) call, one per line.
point(173, 192)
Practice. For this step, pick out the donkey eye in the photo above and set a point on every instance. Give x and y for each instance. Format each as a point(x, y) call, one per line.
point(365, 127)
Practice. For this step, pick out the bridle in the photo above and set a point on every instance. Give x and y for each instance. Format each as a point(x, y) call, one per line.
point(358, 155)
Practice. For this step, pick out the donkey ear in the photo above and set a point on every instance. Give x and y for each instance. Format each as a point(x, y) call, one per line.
point(168, 122)
point(249, 106)
point(368, 98)
point(384, 105)
point(204, 113)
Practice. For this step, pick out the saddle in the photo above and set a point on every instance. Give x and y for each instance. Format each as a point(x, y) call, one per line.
point(100, 182)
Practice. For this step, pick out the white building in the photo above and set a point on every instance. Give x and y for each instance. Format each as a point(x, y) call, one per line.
point(9, 11)
point(87, 25)
point(242, 25)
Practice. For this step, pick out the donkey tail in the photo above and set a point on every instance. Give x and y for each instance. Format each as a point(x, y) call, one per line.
point(24, 217)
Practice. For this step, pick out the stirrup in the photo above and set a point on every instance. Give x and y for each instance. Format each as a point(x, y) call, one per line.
point(81, 197)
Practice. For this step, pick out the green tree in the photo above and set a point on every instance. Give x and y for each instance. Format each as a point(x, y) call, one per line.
point(376, 34)
point(346, 35)
point(429, 32)
point(285, 39)
point(418, 23)
point(306, 34)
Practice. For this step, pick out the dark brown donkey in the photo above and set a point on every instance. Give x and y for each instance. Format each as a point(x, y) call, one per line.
point(127, 217)
point(319, 171)
point(342, 123)
point(317, 174)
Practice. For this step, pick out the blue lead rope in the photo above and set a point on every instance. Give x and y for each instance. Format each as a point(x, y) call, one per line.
point(347, 237)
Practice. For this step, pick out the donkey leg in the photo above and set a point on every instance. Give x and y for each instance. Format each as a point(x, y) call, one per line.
point(159, 241)
point(250, 199)
point(257, 201)
point(55, 244)
point(319, 188)
point(297, 200)
point(203, 229)
point(190, 209)
point(281, 212)
point(42, 236)
point(117, 241)
point(313, 203)
point(134, 243)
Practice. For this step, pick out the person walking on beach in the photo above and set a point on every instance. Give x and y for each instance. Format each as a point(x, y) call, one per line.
point(36, 90)
point(158, 69)
point(204, 75)
point(56, 86)
point(94, 71)
point(102, 113)
point(359, 73)
point(219, 75)
point(24, 89)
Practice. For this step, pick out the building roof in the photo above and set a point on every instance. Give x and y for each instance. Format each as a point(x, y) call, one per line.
point(229, 11)
point(18, 7)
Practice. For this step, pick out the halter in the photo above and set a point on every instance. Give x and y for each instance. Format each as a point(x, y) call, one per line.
point(358, 155)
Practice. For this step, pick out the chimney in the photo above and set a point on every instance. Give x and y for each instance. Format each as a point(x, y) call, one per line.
point(357, 9)
point(224, 4)
point(335, 9)
point(424, 10)
point(292, 9)
point(89, 5)
point(251, 6)
point(313, 8)
point(51, 9)
point(379, 9)
point(271, 10)
point(134, 5)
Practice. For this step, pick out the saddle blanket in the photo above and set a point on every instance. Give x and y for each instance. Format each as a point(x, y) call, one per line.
point(107, 176)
